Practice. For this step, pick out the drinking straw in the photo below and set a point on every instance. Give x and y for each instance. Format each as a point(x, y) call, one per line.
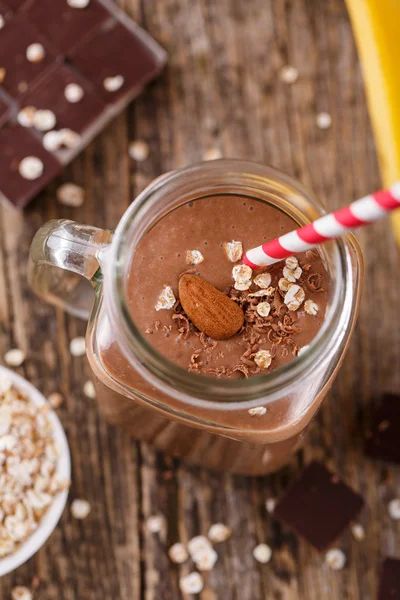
point(361, 212)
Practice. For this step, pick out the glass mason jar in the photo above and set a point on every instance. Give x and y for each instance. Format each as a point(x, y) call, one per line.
point(201, 419)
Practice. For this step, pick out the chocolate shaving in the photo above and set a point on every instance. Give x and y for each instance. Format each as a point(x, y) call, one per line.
point(311, 255)
point(314, 282)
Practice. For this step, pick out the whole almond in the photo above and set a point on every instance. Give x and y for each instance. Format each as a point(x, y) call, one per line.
point(210, 310)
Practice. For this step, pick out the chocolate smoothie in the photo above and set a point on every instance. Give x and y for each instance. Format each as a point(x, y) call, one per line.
point(206, 238)
point(283, 309)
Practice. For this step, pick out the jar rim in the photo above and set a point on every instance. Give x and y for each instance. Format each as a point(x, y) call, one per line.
point(202, 390)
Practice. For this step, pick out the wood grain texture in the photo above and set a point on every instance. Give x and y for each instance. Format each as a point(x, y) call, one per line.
point(221, 91)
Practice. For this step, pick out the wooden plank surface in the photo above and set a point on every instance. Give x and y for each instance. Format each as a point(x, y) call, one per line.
point(220, 92)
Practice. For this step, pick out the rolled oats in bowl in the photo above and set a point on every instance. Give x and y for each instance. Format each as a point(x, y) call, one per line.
point(34, 470)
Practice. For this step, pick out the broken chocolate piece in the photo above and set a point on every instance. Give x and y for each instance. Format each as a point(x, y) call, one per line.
point(64, 25)
point(112, 55)
point(49, 93)
point(19, 72)
point(389, 585)
point(383, 440)
point(318, 506)
point(16, 145)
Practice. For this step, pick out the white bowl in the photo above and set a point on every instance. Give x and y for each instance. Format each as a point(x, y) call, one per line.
point(53, 514)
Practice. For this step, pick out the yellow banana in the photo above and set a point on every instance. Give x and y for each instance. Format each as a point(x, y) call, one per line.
point(376, 26)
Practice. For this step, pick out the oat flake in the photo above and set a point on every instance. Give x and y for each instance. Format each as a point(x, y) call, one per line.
point(242, 273)
point(55, 399)
point(78, 3)
point(73, 93)
point(70, 194)
point(89, 390)
point(233, 250)
point(80, 509)
point(21, 593)
point(258, 411)
point(198, 544)
point(77, 346)
point(311, 307)
point(263, 309)
point(294, 297)
point(263, 280)
point(138, 150)
point(270, 505)
point(166, 299)
point(35, 53)
point(2, 22)
point(205, 561)
point(113, 84)
point(194, 257)
point(30, 168)
point(289, 74)
point(191, 584)
point(219, 532)
point(178, 553)
point(263, 359)
point(44, 120)
point(14, 357)
point(394, 509)
point(335, 558)
point(155, 523)
point(262, 553)
point(26, 115)
point(324, 120)
point(358, 531)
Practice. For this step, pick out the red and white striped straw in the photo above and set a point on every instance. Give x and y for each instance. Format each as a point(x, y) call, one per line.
point(361, 212)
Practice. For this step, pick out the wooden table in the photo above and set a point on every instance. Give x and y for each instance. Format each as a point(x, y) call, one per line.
point(220, 93)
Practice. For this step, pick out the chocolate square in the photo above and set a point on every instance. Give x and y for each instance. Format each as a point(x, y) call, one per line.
point(17, 143)
point(383, 441)
point(389, 585)
point(64, 25)
point(20, 73)
point(113, 51)
point(318, 506)
point(49, 93)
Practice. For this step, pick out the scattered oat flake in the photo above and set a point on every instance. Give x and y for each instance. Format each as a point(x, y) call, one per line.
point(30, 168)
point(192, 583)
point(166, 299)
point(292, 274)
point(55, 399)
point(242, 286)
point(311, 307)
point(394, 509)
point(270, 505)
point(263, 280)
point(69, 138)
point(289, 74)
point(78, 3)
point(14, 357)
point(219, 532)
point(194, 257)
point(233, 250)
point(263, 359)
point(73, 93)
point(178, 553)
point(336, 559)
point(77, 346)
point(324, 120)
point(113, 84)
point(26, 116)
point(70, 194)
point(292, 263)
point(260, 293)
point(155, 523)
point(198, 544)
point(294, 297)
point(52, 140)
point(2, 21)
point(263, 309)
point(138, 150)
point(89, 390)
point(35, 53)
point(44, 120)
point(80, 509)
point(205, 561)
point(257, 411)
point(283, 284)
point(358, 531)
point(21, 593)
point(242, 273)
point(262, 553)
point(212, 154)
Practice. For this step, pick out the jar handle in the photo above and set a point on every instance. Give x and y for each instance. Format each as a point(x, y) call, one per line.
point(65, 264)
